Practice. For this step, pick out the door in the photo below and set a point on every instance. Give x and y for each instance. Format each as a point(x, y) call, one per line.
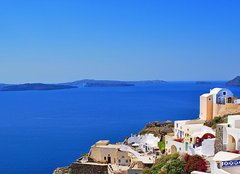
point(109, 159)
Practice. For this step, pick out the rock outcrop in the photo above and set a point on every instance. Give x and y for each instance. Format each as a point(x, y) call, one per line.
point(158, 128)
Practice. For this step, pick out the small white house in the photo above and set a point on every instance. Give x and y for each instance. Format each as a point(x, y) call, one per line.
point(146, 142)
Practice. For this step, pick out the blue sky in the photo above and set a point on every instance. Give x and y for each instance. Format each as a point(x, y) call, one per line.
point(61, 40)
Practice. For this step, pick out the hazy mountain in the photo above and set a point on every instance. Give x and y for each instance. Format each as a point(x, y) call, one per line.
point(234, 82)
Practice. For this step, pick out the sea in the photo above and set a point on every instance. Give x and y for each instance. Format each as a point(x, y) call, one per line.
point(43, 130)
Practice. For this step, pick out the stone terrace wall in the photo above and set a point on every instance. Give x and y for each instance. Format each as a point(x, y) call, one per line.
point(228, 109)
point(79, 168)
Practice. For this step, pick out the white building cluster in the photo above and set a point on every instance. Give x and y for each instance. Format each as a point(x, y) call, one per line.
point(129, 157)
point(219, 146)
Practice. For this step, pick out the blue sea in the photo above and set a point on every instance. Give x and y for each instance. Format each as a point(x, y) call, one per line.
point(42, 130)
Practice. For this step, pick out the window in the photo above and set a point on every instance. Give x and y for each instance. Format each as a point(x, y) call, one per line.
point(224, 93)
point(119, 161)
point(126, 161)
point(105, 158)
point(179, 148)
point(177, 125)
point(122, 156)
point(209, 99)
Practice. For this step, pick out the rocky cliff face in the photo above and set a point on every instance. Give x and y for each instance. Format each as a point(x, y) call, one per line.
point(234, 82)
point(158, 128)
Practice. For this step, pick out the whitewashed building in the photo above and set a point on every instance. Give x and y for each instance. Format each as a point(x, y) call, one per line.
point(225, 163)
point(147, 142)
point(192, 137)
point(229, 134)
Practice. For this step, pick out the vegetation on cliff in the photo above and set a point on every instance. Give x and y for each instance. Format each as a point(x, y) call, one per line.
point(216, 120)
point(173, 164)
point(176, 164)
point(158, 128)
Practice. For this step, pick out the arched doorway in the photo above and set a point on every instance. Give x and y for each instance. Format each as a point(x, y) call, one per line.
point(173, 149)
point(231, 146)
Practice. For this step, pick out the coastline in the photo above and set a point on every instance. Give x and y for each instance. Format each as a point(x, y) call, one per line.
point(79, 166)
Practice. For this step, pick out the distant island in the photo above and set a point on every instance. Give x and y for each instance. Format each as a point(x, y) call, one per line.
point(34, 86)
point(234, 82)
point(96, 83)
point(76, 84)
point(112, 83)
point(203, 82)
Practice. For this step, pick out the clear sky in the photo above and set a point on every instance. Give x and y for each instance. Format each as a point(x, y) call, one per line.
point(65, 40)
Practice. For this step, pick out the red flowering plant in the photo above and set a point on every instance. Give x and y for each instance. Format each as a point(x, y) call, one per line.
point(235, 151)
point(179, 140)
point(195, 163)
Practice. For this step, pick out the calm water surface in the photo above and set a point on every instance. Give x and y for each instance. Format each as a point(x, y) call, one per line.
point(41, 130)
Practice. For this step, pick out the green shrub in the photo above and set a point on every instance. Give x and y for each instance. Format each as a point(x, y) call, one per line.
point(167, 164)
point(216, 120)
point(161, 145)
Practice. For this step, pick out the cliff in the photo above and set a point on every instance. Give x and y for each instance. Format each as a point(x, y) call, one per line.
point(234, 82)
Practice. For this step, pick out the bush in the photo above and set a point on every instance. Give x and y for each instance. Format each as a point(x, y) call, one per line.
point(168, 164)
point(176, 164)
point(161, 145)
point(195, 163)
point(216, 120)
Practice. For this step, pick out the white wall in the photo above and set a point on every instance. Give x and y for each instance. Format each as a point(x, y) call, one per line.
point(208, 147)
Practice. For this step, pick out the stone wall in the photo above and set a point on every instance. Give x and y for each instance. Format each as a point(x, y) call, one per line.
point(134, 171)
point(219, 146)
point(83, 168)
point(79, 168)
point(227, 109)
